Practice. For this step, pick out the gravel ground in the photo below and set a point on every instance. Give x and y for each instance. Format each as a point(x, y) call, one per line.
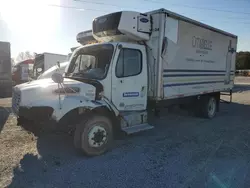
point(182, 151)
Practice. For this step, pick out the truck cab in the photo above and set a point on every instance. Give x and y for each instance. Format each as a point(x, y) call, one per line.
point(120, 68)
point(104, 87)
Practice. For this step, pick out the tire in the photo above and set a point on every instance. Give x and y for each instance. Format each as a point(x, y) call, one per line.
point(209, 107)
point(94, 136)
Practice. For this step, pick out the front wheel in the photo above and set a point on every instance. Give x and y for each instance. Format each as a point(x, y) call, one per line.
point(94, 136)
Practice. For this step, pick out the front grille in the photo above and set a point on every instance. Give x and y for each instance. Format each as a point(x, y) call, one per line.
point(16, 99)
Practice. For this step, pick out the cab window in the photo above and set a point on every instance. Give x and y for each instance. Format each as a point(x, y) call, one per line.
point(129, 63)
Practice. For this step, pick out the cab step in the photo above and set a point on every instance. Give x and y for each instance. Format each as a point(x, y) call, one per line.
point(137, 128)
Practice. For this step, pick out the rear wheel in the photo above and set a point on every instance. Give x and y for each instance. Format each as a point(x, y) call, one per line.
point(94, 136)
point(209, 107)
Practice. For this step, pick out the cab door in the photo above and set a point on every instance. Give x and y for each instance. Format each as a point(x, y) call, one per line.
point(129, 78)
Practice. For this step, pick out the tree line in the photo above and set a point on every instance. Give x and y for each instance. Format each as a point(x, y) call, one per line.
point(242, 60)
point(23, 56)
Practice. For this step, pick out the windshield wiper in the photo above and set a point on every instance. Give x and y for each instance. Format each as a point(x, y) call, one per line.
point(80, 78)
point(78, 74)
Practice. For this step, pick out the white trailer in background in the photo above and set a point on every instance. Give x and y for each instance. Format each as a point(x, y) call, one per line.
point(59, 69)
point(141, 62)
point(44, 61)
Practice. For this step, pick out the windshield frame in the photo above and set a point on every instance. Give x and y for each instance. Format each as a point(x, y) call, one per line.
point(74, 57)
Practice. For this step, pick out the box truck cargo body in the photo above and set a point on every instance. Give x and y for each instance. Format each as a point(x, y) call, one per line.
point(139, 64)
point(5, 70)
point(192, 58)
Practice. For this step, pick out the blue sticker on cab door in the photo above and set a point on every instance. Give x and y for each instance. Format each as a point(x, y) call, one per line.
point(131, 94)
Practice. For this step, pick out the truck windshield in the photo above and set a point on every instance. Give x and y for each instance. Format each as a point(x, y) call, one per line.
point(91, 62)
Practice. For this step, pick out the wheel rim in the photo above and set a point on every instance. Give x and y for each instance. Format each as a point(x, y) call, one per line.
point(211, 107)
point(97, 136)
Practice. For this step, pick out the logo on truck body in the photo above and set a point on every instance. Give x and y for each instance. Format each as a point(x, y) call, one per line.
point(144, 20)
point(201, 43)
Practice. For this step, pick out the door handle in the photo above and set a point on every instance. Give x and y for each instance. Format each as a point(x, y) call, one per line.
point(121, 81)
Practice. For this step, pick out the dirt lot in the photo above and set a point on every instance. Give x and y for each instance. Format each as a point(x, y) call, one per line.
point(182, 151)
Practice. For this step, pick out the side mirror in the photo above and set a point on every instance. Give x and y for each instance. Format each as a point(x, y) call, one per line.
point(57, 78)
point(58, 64)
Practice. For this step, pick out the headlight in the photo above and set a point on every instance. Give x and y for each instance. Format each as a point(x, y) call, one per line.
point(67, 90)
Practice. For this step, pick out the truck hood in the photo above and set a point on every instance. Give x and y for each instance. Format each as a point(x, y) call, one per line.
point(44, 90)
point(48, 82)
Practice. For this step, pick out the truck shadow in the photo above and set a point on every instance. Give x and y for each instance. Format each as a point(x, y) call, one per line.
point(57, 158)
point(4, 115)
point(55, 151)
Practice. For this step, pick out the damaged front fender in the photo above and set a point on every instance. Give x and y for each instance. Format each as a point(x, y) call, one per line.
point(70, 103)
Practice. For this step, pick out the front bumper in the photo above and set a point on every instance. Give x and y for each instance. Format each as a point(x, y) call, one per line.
point(40, 114)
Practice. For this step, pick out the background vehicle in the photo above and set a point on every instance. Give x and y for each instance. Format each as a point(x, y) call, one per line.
point(143, 62)
point(44, 61)
point(5, 70)
point(48, 73)
point(22, 71)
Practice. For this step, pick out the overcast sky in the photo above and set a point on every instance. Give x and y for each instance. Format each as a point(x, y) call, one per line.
point(52, 25)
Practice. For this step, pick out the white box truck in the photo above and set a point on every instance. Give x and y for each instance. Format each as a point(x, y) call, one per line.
point(44, 61)
point(56, 68)
point(141, 62)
